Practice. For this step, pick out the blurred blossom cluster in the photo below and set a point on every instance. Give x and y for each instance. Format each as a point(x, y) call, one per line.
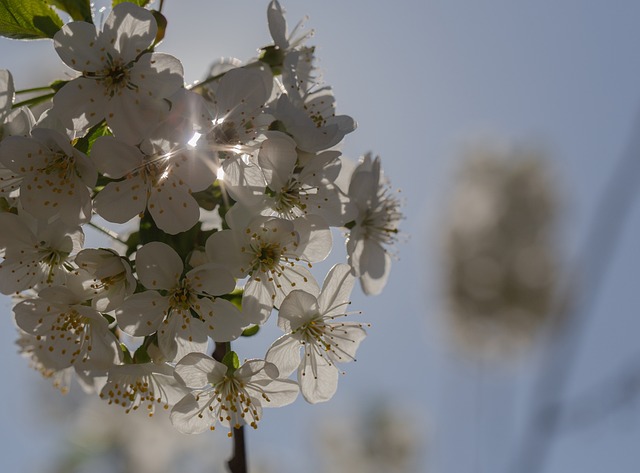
point(125, 141)
point(501, 266)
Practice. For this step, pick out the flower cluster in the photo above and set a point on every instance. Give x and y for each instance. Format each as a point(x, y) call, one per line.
point(126, 141)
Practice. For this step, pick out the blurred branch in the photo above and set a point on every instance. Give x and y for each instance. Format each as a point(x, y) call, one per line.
point(612, 394)
point(592, 265)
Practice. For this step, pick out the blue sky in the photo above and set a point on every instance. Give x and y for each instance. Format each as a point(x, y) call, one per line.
point(423, 79)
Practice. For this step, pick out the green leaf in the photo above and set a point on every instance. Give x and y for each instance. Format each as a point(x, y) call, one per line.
point(85, 143)
point(79, 10)
point(251, 331)
point(140, 3)
point(161, 21)
point(231, 361)
point(28, 19)
point(141, 355)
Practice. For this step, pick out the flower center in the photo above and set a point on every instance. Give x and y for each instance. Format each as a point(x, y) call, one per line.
point(182, 297)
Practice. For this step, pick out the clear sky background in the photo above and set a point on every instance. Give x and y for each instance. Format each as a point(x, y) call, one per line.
point(424, 79)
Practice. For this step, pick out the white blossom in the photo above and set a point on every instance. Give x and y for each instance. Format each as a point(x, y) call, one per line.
point(374, 228)
point(229, 397)
point(159, 268)
point(271, 251)
point(36, 253)
point(67, 330)
point(54, 176)
point(119, 80)
point(314, 322)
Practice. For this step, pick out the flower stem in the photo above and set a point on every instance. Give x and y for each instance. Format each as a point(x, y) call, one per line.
point(34, 89)
point(34, 100)
point(238, 462)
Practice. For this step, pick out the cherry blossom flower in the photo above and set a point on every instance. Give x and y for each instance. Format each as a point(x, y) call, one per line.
point(290, 188)
point(314, 322)
point(153, 176)
point(231, 397)
point(72, 333)
point(113, 279)
point(119, 80)
point(54, 176)
point(307, 111)
point(170, 315)
point(36, 253)
point(375, 216)
point(278, 28)
point(147, 384)
point(268, 250)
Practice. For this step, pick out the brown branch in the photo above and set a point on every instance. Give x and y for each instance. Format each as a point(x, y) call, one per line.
point(238, 462)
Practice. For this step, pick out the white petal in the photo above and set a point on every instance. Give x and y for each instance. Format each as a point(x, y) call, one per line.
point(285, 354)
point(120, 201)
point(76, 44)
point(318, 379)
point(196, 370)
point(158, 266)
point(336, 290)
point(173, 208)
point(185, 418)
point(375, 266)
point(221, 320)
point(315, 238)
point(181, 335)
point(298, 308)
point(158, 75)
point(277, 158)
point(130, 29)
point(80, 104)
point(114, 158)
point(211, 279)
point(257, 301)
point(141, 314)
point(279, 392)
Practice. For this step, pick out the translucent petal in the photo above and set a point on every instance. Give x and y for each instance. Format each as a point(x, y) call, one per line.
point(141, 314)
point(318, 379)
point(77, 45)
point(285, 354)
point(336, 290)
point(196, 370)
point(130, 30)
point(120, 201)
point(158, 266)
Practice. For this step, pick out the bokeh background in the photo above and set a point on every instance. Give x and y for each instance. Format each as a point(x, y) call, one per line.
point(430, 83)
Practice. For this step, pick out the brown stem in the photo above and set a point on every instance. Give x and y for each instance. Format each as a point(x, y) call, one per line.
point(238, 462)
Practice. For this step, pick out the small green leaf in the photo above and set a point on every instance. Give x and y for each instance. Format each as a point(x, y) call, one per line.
point(251, 331)
point(85, 143)
point(161, 21)
point(235, 297)
point(231, 361)
point(140, 3)
point(132, 243)
point(28, 19)
point(126, 353)
point(79, 10)
point(141, 355)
